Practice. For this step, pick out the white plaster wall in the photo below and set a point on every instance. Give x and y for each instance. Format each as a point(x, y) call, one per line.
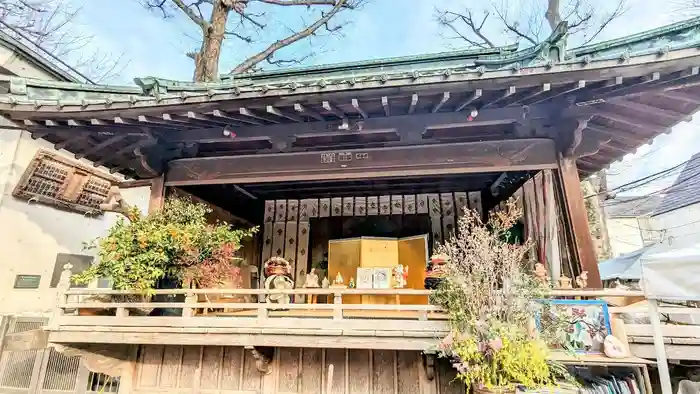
point(19, 66)
point(680, 227)
point(32, 234)
point(624, 235)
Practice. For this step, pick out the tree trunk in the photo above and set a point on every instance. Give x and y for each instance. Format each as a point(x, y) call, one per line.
point(206, 61)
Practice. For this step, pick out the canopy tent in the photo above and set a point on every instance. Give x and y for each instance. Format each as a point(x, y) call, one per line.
point(672, 274)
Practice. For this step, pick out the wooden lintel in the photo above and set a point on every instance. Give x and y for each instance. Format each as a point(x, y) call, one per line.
point(577, 217)
point(469, 157)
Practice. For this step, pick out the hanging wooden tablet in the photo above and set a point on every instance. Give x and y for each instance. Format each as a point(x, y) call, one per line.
point(304, 210)
point(397, 205)
point(434, 205)
point(302, 249)
point(281, 210)
point(360, 206)
point(448, 227)
point(290, 247)
point(336, 206)
point(422, 203)
point(269, 211)
point(373, 205)
point(447, 203)
point(461, 203)
point(475, 202)
point(278, 240)
point(292, 210)
point(324, 207)
point(267, 241)
point(384, 205)
point(436, 225)
point(409, 204)
point(348, 206)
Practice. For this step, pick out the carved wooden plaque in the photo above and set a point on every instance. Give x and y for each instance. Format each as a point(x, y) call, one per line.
point(384, 205)
point(269, 211)
point(397, 205)
point(290, 247)
point(278, 240)
point(447, 203)
point(324, 207)
point(409, 204)
point(475, 202)
point(434, 204)
point(360, 206)
point(336, 206)
point(348, 206)
point(448, 227)
point(267, 241)
point(461, 203)
point(422, 203)
point(280, 210)
point(373, 205)
point(292, 210)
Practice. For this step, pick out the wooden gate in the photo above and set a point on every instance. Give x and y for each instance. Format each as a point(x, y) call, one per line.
point(45, 371)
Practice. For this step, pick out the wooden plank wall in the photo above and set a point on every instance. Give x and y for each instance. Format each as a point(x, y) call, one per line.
point(217, 369)
point(287, 222)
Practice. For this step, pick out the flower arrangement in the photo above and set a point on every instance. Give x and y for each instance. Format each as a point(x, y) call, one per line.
point(176, 242)
point(491, 300)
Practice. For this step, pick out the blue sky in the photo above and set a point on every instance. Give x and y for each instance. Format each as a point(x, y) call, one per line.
point(382, 28)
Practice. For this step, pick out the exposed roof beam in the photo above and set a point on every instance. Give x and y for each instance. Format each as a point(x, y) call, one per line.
point(648, 109)
point(535, 94)
point(629, 121)
point(609, 85)
point(385, 104)
point(566, 90)
point(334, 110)
point(507, 93)
point(627, 137)
point(225, 115)
point(472, 97)
point(414, 102)
point(494, 187)
point(102, 145)
point(38, 134)
point(129, 149)
point(308, 112)
point(618, 90)
point(210, 119)
point(680, 96)
point(245, 192)
point(69, 141)
point(443, 100)
point(246, 112)
point(282, 114)
point(356, 105)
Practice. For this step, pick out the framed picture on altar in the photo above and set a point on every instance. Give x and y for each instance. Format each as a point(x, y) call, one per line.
point(365, 278)
point(588, 322)
point(382, 278)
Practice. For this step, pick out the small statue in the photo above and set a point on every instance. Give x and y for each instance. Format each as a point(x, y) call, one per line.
point(564, 282)
point(338, 279)
point(325, 283)
point(541, 274)
point(278, 277)
point(351, 284)
point(311, 280)
point(582, 280)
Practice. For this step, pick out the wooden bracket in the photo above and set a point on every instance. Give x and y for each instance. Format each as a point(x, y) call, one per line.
point(262, 358)
point(429, 365)
point(154, 158)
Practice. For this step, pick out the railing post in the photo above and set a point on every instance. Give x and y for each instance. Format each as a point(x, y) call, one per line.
point(190, 299)
point(61, 298)
point(337, 306)
point(660, 350)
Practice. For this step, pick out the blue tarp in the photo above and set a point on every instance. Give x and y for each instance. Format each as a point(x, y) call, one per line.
point(626, 267)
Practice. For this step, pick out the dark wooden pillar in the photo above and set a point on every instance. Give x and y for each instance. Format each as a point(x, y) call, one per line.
point(157, 194)
point(576, 220)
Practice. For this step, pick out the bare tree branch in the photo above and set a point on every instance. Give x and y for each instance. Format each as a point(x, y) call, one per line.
point(269, 51)
point(302, 2)
point(448, 19)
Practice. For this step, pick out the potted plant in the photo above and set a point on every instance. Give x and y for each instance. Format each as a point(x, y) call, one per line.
point(491, 300)
point(166, 249)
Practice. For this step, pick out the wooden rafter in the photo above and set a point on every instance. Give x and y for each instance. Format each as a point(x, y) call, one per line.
point(536, 94)
point(335, 111)
point(568, 89)
point(250, 114)
point(476, 95)
point(226, 116)
point(358, 108)
point(282, 114)
point(629, 122)
point(648, 109)
point(414, 102)
point(510, 91)
point(96, 148)
point(308, 112)
point(443, 99)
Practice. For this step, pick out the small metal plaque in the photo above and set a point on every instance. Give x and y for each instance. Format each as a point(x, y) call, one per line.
point(27, 281)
